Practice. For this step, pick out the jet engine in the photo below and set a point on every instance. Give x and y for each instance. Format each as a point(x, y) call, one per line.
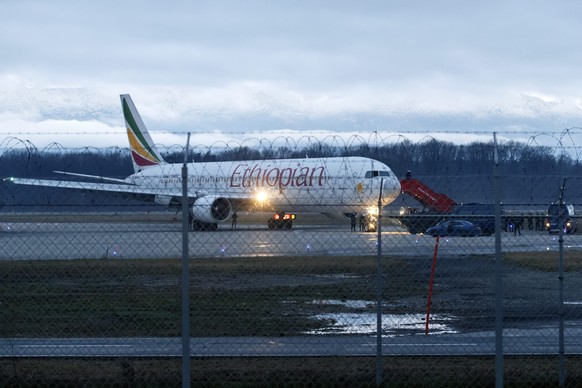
point(211, 209)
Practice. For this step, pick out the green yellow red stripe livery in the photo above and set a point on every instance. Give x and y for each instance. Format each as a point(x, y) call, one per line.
point(143, 151)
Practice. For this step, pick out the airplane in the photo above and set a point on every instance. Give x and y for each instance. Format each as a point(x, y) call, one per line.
point(340, 185)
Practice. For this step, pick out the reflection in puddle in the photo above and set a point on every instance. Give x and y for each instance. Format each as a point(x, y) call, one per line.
point(365, 322)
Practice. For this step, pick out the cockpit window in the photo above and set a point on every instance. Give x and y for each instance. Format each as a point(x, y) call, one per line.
point(375, 173)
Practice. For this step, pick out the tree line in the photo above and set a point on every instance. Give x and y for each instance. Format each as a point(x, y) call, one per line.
point(430, 158)
point(530, 174)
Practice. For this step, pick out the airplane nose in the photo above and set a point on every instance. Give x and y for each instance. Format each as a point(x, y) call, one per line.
point(391, 188)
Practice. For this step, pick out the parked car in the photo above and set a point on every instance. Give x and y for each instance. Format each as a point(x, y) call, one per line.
point(480, 214)
point(454, 228)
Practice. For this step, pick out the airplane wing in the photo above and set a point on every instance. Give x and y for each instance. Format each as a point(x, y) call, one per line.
point(96, 177)
point(98, 186)
point(162, 196)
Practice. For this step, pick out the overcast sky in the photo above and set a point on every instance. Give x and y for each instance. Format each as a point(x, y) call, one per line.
point(217, 68)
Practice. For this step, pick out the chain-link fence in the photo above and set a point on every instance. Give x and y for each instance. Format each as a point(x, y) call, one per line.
point(454, 288)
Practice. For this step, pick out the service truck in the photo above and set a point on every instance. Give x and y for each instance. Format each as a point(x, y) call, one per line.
point(565, 212)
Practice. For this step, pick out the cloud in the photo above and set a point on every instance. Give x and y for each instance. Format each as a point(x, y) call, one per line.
point(233, 66)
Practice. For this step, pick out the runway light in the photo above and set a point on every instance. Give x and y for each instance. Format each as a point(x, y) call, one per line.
point(308, 247)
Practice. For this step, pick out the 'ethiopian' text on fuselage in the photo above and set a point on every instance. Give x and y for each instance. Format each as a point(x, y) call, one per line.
point(247, 175)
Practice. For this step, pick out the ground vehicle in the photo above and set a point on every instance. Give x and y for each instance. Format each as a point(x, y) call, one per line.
point(567, 215)
point(370, 222)
point(436, 205)
point(480, 214)
point(281, 221)
point(439, 206)
point(437, 202)
point(454, 228)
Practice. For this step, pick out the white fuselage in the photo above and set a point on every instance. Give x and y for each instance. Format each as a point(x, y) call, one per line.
point(340, 184)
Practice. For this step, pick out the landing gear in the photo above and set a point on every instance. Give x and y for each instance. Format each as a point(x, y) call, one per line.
point(370, 228)
point(202, 226)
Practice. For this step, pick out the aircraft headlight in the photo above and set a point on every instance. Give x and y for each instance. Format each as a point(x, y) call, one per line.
point(261, 196)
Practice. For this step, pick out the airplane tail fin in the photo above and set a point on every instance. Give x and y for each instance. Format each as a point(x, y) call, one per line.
point(144, 153)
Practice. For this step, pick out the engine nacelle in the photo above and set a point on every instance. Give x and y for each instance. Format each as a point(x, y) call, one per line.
point(211, 209)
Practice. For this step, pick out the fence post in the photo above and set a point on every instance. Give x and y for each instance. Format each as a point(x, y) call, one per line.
point(185, 274)
point(499, 366)
point(379, 364)
point(561, 285)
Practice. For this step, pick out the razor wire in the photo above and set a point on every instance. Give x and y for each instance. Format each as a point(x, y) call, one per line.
point(94, 282)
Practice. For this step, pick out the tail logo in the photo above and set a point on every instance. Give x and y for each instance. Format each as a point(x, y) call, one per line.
point(142, 152)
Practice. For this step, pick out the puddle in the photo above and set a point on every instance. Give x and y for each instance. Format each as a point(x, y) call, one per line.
point(352, 304)
point(365, 322)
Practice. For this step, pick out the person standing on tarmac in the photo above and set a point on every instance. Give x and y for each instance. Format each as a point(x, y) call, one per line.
point(361, 219)
point(234, 218)
point(353, 222)
point(517, 227)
